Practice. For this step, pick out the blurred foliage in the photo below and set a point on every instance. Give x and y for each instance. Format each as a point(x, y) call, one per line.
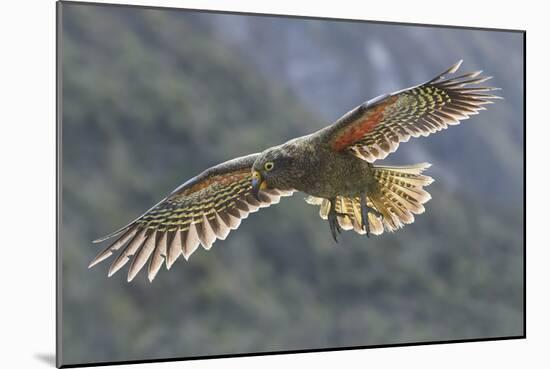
point(152, 98)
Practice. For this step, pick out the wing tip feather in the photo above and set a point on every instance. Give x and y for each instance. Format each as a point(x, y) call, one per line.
point(98, 259)
point(455, 67)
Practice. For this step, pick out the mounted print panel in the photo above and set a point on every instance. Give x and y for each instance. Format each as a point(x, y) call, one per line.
point(237, 184)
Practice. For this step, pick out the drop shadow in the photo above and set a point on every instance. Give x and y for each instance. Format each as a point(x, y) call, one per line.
point(46, 358)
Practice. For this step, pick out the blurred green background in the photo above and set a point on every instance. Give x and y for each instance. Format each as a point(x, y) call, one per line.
point(153, 97)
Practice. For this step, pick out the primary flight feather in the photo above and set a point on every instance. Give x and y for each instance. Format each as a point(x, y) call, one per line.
point(333, 166)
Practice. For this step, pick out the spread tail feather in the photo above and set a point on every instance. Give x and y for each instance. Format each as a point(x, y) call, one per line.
point(399, 194)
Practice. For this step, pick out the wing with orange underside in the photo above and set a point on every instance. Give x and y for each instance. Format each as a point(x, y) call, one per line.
point(374, 129)
point(203, 209)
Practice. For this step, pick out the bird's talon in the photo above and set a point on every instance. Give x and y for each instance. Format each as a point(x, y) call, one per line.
point(375, 212)
point(335, 228)
point(365, 210)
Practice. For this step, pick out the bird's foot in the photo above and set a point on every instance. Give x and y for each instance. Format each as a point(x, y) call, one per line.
point(365, 210)
point(335, 228)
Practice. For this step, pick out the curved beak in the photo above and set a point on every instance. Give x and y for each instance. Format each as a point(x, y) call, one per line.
point(257, 184)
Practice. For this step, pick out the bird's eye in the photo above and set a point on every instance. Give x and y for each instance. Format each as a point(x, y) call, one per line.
point(268, 166)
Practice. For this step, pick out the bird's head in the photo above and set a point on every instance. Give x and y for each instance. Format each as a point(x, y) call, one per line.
point(274, 168)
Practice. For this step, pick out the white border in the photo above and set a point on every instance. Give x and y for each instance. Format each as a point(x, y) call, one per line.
point(28, 181)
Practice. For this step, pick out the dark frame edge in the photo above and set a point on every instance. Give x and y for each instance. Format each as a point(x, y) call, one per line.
point(287, 352)
point(58, 171)
point(525, 184)
point(234, 12)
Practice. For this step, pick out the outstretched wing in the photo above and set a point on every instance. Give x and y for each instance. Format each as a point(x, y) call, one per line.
point(201, 210)
point(374, 129)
